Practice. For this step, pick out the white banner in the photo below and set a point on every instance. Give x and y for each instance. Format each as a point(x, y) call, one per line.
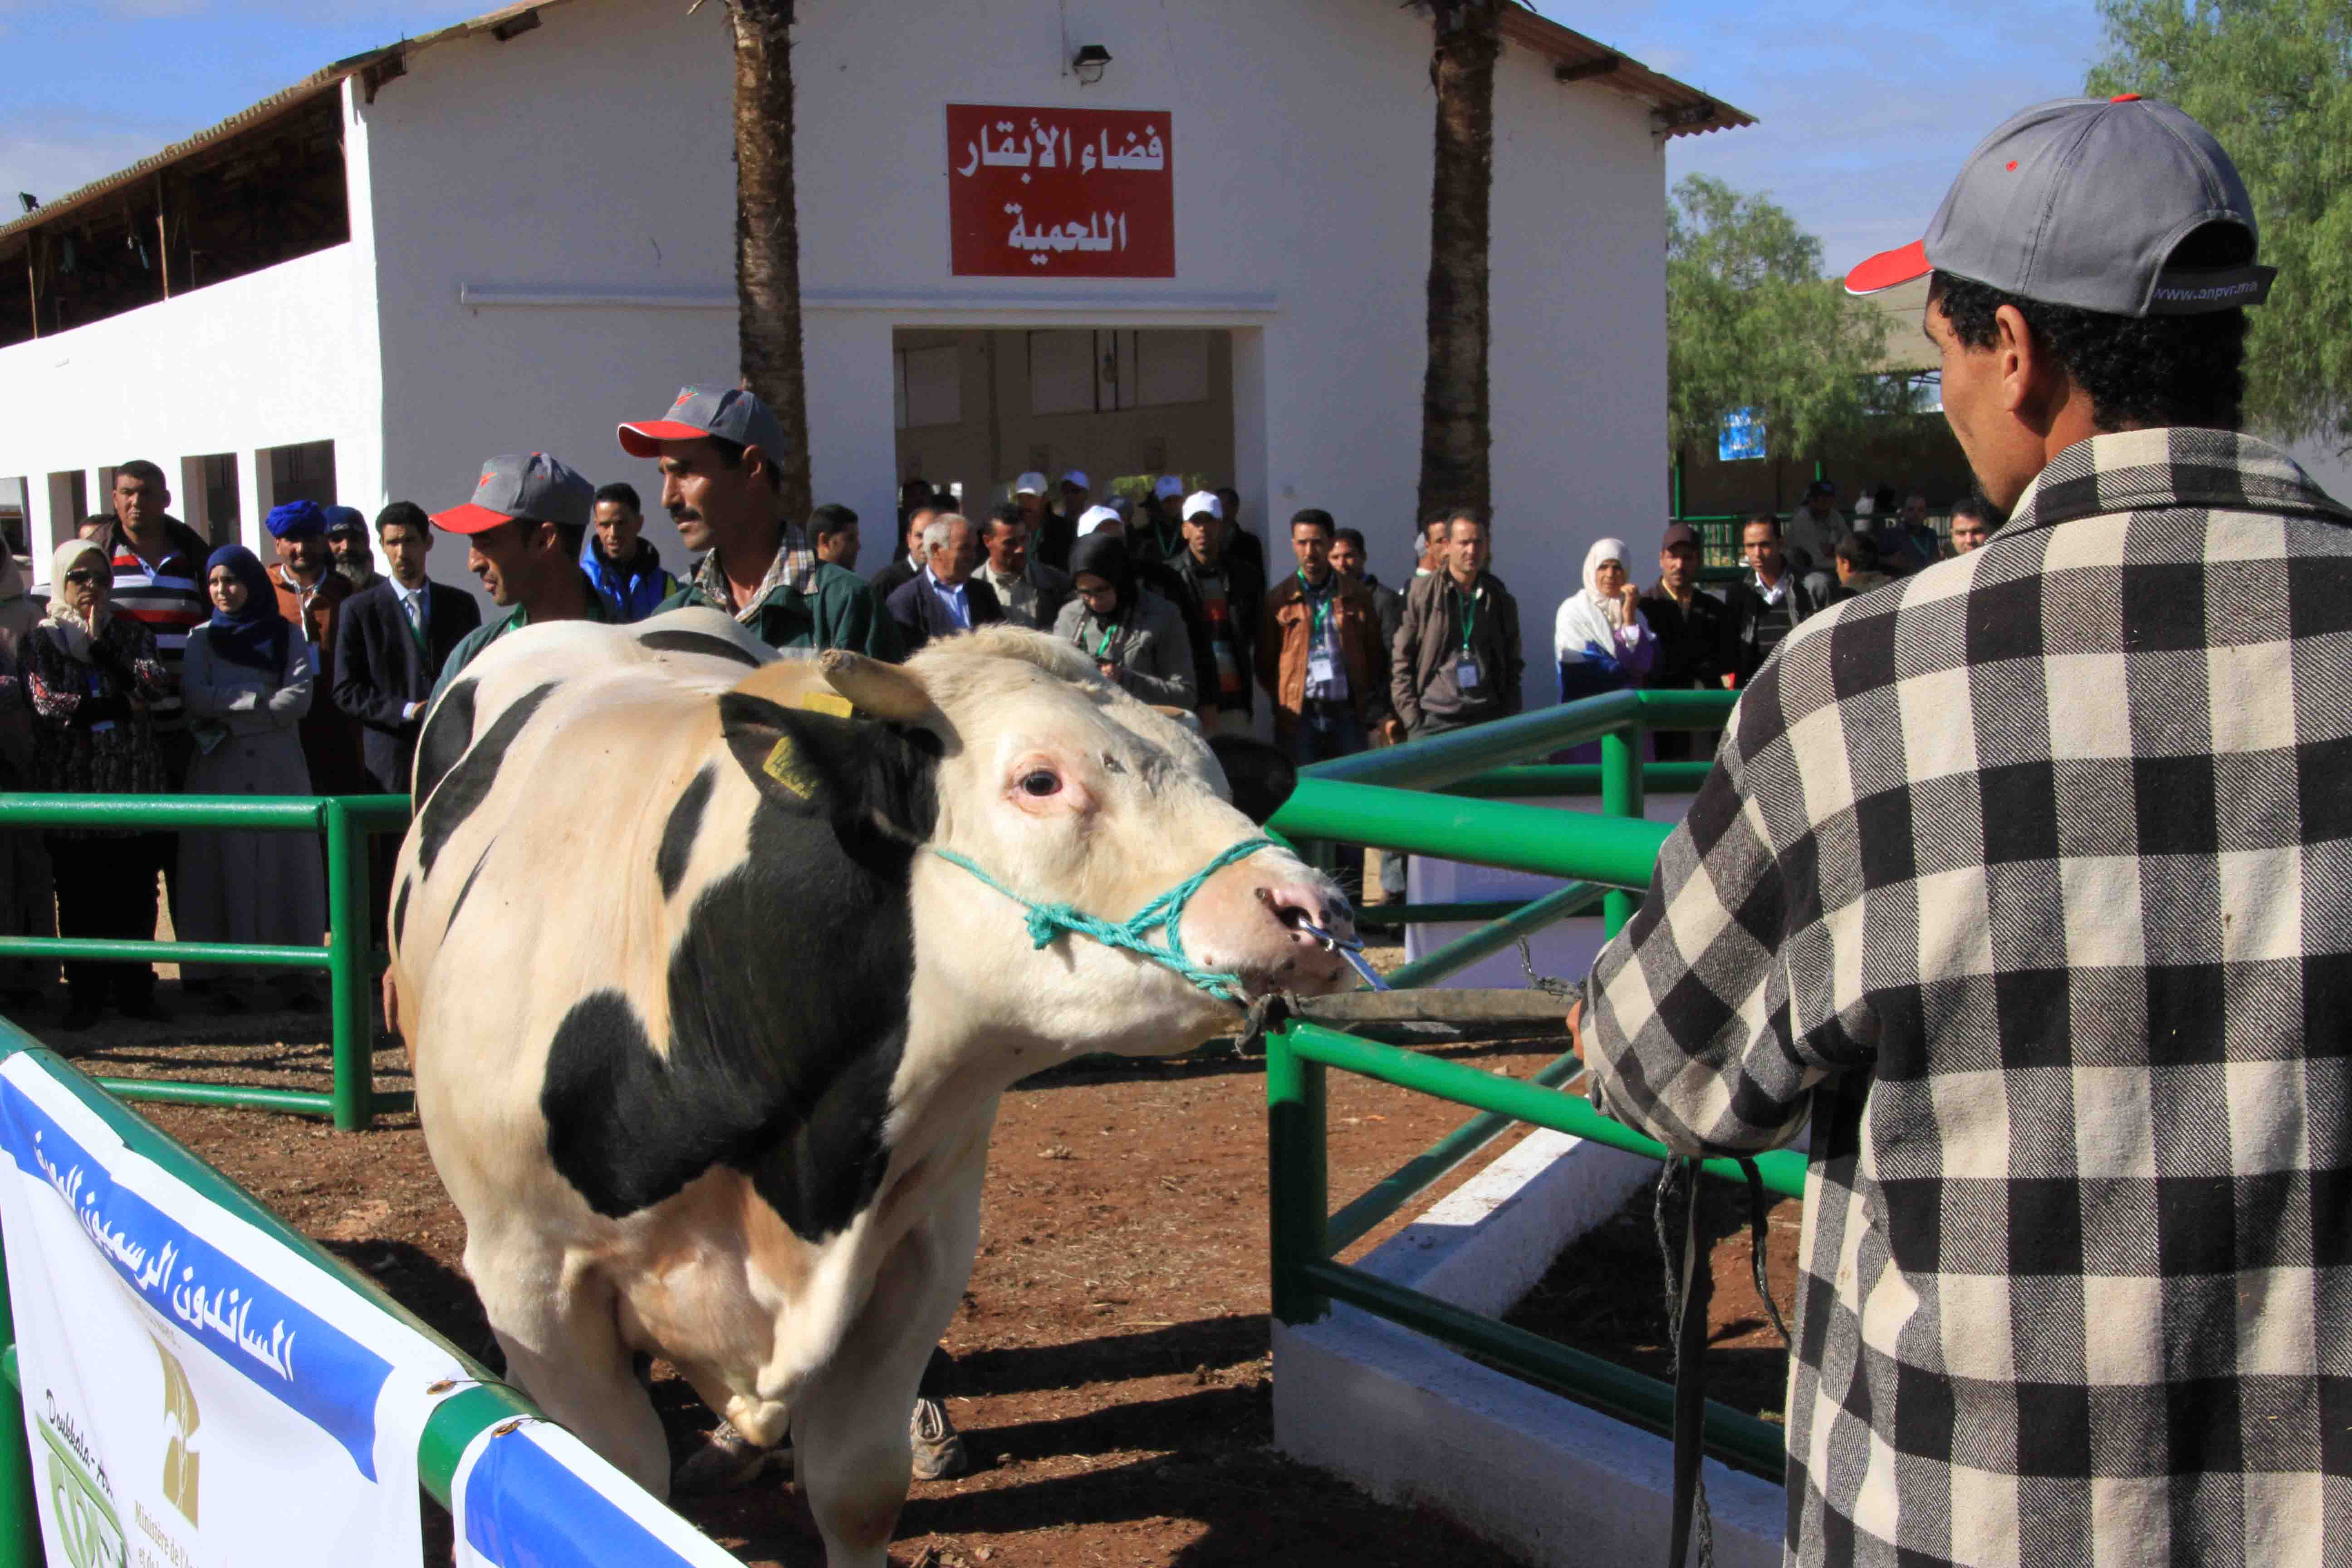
point(530, 1495)
point(197, 1393)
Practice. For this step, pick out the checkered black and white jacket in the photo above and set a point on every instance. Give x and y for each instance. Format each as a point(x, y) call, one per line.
point(2029, 877)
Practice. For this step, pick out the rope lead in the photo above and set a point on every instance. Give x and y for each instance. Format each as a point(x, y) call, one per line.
point(1048, 922)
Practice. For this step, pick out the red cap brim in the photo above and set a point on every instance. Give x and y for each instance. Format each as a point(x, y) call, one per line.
point(1889, 268)
point(643, 440)
point(469, 518)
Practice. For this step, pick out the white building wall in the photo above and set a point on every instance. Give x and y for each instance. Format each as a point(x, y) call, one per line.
point(271, 359)
point(576, 183)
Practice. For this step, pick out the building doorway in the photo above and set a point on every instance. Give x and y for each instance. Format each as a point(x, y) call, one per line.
point(977, 408)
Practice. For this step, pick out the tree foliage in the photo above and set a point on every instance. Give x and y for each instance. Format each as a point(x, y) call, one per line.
point(1751, 323)
point(2271, 80)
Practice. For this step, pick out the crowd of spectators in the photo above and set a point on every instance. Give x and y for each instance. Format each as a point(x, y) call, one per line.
point(160, 664)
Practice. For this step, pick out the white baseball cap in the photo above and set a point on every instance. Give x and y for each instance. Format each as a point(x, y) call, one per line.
point(1199, 501)
point(1029, 484)
point(1094, 516)
point(1168, 488)
point(1076, 477)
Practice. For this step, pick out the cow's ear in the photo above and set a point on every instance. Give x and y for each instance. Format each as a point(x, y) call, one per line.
point(817, 764)
point(1261, 776)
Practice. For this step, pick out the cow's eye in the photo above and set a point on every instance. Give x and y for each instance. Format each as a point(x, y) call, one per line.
point(1041, 782)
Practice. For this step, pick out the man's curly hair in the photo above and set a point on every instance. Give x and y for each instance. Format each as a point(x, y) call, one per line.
point(2137, 371)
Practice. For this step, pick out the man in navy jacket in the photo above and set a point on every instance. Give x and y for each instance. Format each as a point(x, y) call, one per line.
point(394, 640)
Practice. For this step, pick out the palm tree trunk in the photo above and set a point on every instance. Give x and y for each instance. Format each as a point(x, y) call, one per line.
point(1456, 427)
point(768, 236)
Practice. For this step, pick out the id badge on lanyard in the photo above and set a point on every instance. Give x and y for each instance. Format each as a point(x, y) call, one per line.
point(1465, 663)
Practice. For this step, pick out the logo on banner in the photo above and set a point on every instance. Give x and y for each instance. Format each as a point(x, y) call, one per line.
point(180, 1418)
point(82, 1499)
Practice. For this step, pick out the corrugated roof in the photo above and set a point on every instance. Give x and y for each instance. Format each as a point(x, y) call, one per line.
point(1678, 108)
point(1681, 109)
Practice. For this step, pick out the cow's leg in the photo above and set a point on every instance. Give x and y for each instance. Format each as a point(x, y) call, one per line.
point(850, 1446)
point(746, 1442)
point(555, 1322)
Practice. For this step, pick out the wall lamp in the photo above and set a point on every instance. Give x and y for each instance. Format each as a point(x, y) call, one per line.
point(1089, 63)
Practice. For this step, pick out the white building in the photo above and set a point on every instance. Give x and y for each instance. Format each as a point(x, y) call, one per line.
point(513, 233)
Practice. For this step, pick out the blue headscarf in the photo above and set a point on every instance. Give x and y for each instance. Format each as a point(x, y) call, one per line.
point(256, 635)
point(296, 519)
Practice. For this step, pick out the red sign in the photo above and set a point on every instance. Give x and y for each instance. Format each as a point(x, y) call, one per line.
point(1061, 192)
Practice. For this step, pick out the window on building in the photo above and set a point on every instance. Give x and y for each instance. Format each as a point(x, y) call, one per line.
point(68, 507)
point(208, 495)
point(13, 515)
point(304, 471)
point(930, 387)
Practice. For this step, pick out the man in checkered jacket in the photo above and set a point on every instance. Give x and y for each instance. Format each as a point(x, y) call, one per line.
point(2028, 880)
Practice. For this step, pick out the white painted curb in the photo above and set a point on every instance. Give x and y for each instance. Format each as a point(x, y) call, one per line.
point(1413, 1422)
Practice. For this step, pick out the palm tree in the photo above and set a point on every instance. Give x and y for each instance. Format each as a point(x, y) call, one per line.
point(1456, 427)
point(768, 236)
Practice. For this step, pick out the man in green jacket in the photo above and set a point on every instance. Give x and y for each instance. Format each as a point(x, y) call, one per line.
point(720, 485)
point(523, 531)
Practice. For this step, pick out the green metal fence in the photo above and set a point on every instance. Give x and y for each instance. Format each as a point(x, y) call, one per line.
point(350, 960)
point(1454, 797)
point(455, 1424)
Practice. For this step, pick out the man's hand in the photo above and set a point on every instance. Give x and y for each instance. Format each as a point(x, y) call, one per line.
point(1576, 1029)
point(1392, 732)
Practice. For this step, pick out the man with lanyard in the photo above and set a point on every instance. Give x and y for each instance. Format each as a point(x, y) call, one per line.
point(1456, 660)
point(1767, 604)
point(2023, 885)
point(716, 449)
point(523, 531)
point(1319, 653)
point(1221, 606)
point(310, 596)
point(1693, 628)
point(159, 582)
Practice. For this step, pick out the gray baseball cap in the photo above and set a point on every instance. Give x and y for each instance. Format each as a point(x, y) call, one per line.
point(531, 485)
point(728, 413)
point(2081, 202)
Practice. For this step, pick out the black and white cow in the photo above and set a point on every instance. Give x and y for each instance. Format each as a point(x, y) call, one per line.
point(709, 1042)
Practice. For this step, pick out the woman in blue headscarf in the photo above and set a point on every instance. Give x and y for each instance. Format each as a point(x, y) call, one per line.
point(247, 681)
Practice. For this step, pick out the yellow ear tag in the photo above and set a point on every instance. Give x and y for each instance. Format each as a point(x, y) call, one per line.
point(784, 767)
point(831, 702)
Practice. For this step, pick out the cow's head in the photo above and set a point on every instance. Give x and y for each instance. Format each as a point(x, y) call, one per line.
point(1008, 750)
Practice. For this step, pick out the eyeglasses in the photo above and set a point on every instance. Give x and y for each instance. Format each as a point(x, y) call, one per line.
point(83, 577)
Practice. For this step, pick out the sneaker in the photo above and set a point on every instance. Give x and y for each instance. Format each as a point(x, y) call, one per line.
point(938, 1450)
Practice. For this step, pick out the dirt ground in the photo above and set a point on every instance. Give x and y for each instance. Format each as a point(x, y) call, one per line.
point(1112, 1374)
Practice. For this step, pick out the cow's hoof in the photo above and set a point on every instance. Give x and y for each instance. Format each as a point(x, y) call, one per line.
point(939, 1449)
point(727, 1463)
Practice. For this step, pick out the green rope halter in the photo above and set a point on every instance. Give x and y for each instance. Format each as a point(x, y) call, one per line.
point(1047, 922)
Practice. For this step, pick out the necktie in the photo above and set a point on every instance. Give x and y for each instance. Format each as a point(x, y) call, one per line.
point(415, 603)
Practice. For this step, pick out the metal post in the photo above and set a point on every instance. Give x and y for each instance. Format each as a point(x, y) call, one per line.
point(20, 1520)
point(347, 908)
point(1297, 1176)
point(1621, 795)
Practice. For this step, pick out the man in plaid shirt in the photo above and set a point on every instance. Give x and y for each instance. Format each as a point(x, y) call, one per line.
point(2028, 878)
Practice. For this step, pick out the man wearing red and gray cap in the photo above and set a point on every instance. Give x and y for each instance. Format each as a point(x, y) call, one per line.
point(523, 531)
point(2024, 884)
point(717, 449)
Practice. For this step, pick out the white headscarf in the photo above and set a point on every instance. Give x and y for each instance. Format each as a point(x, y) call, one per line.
point(1591, 616)
point(64, 622)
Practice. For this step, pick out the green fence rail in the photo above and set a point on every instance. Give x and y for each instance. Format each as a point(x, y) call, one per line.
point(346, 822)
point(455, 1424)
point(1456, 797)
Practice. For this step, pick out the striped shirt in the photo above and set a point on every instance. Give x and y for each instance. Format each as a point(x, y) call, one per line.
point(167, 599)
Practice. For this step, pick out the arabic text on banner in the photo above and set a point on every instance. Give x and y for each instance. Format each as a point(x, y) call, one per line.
point(197, 1394)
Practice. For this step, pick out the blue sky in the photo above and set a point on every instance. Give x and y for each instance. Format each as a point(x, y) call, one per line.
point(1866, 110)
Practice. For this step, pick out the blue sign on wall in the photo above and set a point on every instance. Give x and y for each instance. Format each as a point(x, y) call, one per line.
point(1743, 435)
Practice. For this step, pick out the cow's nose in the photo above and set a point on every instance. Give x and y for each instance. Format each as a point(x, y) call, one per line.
point(1301, 905)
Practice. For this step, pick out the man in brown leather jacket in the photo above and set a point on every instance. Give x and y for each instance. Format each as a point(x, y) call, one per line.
point(1319, 653)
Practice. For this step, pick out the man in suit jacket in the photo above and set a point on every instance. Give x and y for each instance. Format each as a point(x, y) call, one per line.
point(393, 642)
point(946, 598)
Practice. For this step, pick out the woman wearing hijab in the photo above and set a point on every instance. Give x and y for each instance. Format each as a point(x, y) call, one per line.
point(89, 675)
point(1602, 638)
point(246, 682)
point(1135, 637)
